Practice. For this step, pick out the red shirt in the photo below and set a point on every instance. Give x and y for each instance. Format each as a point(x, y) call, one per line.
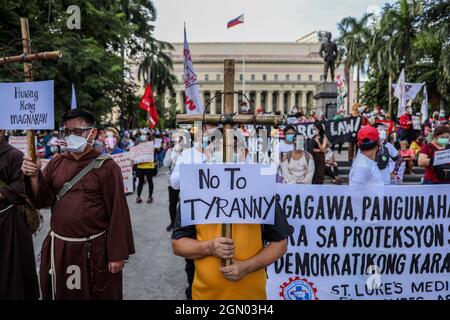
point(430, 175)
point(404, 119)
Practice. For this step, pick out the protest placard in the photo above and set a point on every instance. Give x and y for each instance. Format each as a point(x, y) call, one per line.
point(441, 157)
point(416, 123)
point(20, 143)
point(226, 193)
point(338, 131)
point(143, 152)
point(158, 143)
point(27, 105)
point(363, 243)
point(125, 164)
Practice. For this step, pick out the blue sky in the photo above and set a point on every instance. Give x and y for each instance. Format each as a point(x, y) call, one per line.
point(266, 20)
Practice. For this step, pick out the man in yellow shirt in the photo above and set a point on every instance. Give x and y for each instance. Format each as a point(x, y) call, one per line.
point(252, 248)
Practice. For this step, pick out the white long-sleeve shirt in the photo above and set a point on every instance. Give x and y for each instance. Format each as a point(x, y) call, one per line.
point(188, 156)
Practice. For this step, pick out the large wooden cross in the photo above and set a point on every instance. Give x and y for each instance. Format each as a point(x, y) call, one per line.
point(228, 119)
point(26, 58)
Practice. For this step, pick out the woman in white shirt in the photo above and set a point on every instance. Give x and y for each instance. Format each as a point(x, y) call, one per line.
point(297, 167)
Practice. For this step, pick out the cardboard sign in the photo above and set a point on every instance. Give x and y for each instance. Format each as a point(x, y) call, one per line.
point(441, 157)
point(143, 152)
point(27, 105)
point(125, 164)
point(226, 193)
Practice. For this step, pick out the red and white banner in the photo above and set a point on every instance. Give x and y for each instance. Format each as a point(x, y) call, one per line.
point(194, 105)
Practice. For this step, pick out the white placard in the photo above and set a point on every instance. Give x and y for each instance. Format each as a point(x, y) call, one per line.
point(27, 105)
point(143, 152)
point(416, 123)
point(363, 243)
point(20, 143)
point(125, 164)
point(441, 157)
point(158, 143)
point(226, 193)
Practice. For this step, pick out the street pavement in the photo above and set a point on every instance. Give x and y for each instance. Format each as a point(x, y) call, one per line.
point(154, 272)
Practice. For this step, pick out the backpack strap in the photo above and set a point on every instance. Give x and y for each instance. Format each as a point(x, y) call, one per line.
point(95, 164)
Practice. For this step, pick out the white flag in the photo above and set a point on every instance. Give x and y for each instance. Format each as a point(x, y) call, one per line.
point(411, 89)
point(194, 104)
point(400, 93)
point(74, 98)
point(424, 108)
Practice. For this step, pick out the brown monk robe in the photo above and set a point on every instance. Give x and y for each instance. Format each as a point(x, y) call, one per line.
point(18, 277)
point(95, 204)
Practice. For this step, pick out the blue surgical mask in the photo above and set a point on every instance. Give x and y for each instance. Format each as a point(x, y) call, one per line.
point(205, 142)
point(290, 138)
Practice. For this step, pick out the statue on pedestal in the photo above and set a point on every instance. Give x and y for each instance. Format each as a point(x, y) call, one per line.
point(329, 52)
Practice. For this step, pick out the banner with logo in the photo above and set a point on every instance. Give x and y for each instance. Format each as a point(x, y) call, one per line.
point(337, 131)
point(364, 243)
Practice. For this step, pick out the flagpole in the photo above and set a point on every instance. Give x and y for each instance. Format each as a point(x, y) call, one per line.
point(243, 61)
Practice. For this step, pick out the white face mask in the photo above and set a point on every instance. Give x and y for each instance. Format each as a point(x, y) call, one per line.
point(76, 144)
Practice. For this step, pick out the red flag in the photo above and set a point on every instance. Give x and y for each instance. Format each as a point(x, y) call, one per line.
point(147, 103)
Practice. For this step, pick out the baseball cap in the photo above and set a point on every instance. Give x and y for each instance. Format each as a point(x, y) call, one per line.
point(367, 135)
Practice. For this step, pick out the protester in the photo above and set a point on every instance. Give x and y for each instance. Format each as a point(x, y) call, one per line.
point(364, 170)
point(170, 160)
point(408, 156)
point(146, 171)
point(331, 167)
point(245, 278)
point(318, 146)
point(90, 224)
point(416, 145)
point(111, 141)
point(406, 130)
point(297, 166)
point(435, 174)
point(388, 157)
point(18, 277)
point(287, 144)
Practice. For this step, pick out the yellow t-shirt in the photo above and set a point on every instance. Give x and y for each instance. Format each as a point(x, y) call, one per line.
point(146, 165)
point(210, 284)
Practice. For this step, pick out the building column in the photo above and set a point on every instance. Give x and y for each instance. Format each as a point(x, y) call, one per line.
point(269, 101)
point(292, 100)
point(180, 104)
point(305, 100)
point(281, 101)
point(202, 97)
point(258, 99)
point(235, 103)
point(212, 106)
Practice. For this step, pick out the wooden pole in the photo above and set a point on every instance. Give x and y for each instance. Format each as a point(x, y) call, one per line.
point(229, 70)
point(27, 68)
point(52, 55)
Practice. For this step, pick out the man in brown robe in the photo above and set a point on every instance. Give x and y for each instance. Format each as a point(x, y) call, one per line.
point(18, 277)
point(91, 235)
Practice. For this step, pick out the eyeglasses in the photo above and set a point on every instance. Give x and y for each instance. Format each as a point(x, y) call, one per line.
point(65, 132)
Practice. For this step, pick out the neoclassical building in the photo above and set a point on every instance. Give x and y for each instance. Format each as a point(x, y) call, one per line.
point(278, 75)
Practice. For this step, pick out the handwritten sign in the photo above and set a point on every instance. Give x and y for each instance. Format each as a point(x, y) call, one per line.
point(20, 143)
point(441, 157)
point(416, 123)
point(226, 193)
point(143, 152)
point(158, 143)
point(124, 162)
point(27, 105)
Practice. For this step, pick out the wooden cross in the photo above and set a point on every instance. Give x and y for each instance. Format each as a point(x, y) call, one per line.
point(228, 119)
point(26, 58)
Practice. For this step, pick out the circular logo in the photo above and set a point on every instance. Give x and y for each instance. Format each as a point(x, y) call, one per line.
point(298, 289)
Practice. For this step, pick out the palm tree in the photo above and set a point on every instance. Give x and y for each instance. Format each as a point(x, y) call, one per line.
point(158, 63)
point(393, 41)
point(354, 37)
